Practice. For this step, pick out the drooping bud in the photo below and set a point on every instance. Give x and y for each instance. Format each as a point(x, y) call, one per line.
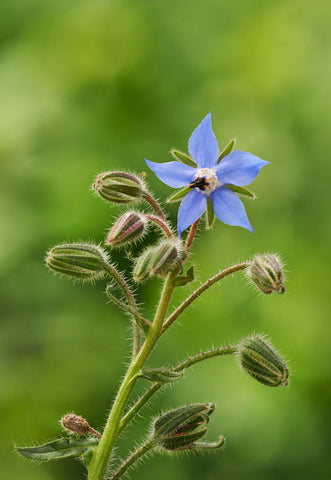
point(165, 257)
point(141, 269)
point(266, 272)
point(178, 429)
point(118, 187)
point(78, 260)
point(260, 360)
point(127, 228)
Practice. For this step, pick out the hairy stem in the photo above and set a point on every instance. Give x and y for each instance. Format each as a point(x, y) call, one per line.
point(190, 238)
point(200, 357)
point(113, 273)
point(219, 276)
point(160, 223)
point(98, 463)
point(133, 458)
point(154, 204)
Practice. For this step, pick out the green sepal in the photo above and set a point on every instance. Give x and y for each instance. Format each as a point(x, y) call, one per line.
point(183, 157)
point(242, 191)
point(183, 440)
point(227, 149)
point(60, 448)
point(210, 215)
point(210, 445)
point(184, 279)
point(160, 375)
point(179, 195)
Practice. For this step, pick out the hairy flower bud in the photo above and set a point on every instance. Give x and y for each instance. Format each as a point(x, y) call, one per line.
point(141, 269)
point(75, 424)
point(260, 360)
point(165, 256)
point(127, 228)
point(118, 187)
point(266, 272)
point(178, 429)
point(78, 260)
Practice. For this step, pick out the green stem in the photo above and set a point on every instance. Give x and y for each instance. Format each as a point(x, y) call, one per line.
point(113, 273)
point(98, 464)
point(200, 290)
point(215, 352)
point(154, 204)
point(161, 224)
point(133, 458)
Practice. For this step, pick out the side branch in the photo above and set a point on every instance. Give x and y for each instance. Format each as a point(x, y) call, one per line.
point(200, 290)
point(161, 224)
point(200, 357)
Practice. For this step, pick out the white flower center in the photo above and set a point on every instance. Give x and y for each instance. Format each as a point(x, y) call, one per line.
point(205, 181)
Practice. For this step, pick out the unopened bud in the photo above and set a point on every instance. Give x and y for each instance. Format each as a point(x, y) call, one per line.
point(118, 187)
point(266, 272)
point(260, 360)
point(75, 424)
point(78, 260)
point(165, 257)
point(179, 429)
point(127, 228)
point(141, 269)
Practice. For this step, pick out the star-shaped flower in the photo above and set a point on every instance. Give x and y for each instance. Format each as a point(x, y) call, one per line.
point(211, 179)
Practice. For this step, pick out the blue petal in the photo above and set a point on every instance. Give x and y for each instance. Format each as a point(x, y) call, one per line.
point(203, 146)
point(239, 168)
point(191, 208)
point(174, 174)
point(229, 208)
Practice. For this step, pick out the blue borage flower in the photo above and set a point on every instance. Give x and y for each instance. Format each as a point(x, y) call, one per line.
point(210, 179)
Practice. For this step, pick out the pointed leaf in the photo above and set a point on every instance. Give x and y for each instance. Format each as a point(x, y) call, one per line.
point(183, 157)
point(179, 195)
point(160, 375)
point(184, 279)
point(242, 191)
point(210, 215)
point(227, 149)
point(60, 448)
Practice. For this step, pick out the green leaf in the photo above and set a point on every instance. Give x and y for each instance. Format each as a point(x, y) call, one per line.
point(179, 195)
point(210, 215)
point(183, 157)
point(242, 191)
point(227, 149)
point(160, 375)
point(184, 279)
point(60, 448)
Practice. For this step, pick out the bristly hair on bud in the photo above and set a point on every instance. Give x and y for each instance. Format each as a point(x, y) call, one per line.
point(179, 429)
point(128, 227)
point(75, 424)
point(81, 261)
point(262, 362)
point(118, 187)
point(165, 257)
point(267, 274)
point(141, 271)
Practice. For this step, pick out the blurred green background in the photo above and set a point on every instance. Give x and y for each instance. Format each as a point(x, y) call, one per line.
point(88, 86)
